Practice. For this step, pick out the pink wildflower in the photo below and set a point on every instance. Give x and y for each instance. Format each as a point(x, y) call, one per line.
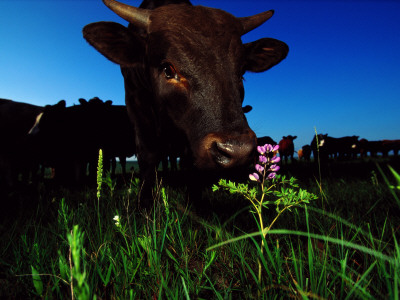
point(254, 177)
point(261, 149)
point(259, 168)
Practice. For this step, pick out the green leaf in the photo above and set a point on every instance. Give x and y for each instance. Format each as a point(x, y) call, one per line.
point(37, 281)
point(64, 268)
point(105, 279)
point(396, 175)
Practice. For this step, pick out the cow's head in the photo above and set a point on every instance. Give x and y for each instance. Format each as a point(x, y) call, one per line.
point(289, 137)
point(189, 61)
point(321, 139)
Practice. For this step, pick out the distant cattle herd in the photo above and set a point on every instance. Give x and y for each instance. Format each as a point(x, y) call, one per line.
point(324, 147)
point(68, 139)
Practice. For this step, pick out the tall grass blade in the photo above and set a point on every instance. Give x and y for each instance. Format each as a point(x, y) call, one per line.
point(356, 286)
point(185, 289)
point(337, 241)
point(37, 281)
point(396, 176)
point(392, 191)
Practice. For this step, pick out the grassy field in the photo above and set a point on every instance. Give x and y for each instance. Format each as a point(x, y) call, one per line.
point(92, 243)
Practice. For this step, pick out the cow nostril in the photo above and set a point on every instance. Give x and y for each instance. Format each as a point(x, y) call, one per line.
point(227, 152)
point(222, 153)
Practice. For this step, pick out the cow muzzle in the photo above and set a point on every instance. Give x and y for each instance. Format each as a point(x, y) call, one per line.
point(221, 151)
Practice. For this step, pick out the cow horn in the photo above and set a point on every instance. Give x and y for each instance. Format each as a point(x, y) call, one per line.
point(137, 16)
point(252, 22)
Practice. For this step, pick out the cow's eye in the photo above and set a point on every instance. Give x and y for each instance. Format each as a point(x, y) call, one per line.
point(169, 71)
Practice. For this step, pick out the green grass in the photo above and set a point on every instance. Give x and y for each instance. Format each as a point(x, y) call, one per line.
point(66, 244)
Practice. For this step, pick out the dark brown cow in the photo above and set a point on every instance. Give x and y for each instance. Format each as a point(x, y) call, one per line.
point(373, 148)
point(16, 119)
point(286, 147)
point(392, 145)
point(183, 68)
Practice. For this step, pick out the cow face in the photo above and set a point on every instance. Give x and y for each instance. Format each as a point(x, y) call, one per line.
point(183, 68)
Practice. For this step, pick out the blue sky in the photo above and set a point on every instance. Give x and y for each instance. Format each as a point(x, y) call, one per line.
point(342, 74)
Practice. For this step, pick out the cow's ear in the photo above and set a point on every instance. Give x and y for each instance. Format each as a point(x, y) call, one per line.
point(115, 42)
point(60, 104)
point(247, 109)
point(264, 54)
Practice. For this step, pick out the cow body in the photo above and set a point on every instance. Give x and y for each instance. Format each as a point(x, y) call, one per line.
point(16, 119)
point(64, 143)
point(343, 147)
point(371, 147)
point(261, 141)
point(305, 153)
point(69, 138)
point(286, 148)
point(182, 68)
point(392, 145)
point(318, 148)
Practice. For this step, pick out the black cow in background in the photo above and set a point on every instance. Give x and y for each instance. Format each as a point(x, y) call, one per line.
point(65, 140)
point(183, 68)
point(261, 141)
point(119, 139)
point(319, 149)
point(344, 147)
point(16, 156)
point(69, 138)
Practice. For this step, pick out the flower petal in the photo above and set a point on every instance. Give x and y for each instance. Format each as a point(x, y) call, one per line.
point(254, 177)
point(271, 175)
point(275, 159)
point(274, 168)
point(259, 168)
point(262, 159)
point(261, 149)
point(268, 147)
